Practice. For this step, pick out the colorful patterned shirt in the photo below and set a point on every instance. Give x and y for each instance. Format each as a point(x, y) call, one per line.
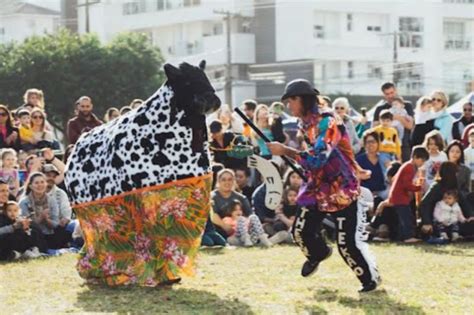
point(329, 164)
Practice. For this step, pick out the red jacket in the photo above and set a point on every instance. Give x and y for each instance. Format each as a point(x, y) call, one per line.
point(403, 188)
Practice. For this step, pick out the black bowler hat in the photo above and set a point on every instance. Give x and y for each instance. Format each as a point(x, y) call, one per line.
point(299, 87)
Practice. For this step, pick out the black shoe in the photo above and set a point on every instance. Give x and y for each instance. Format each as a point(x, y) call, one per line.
point(372, 285)
point(310, 267)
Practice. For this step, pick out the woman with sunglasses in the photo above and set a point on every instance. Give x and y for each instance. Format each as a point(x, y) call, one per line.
point(41, 136)
point(465, 120)
point(443, 120)
point(9, 135)
point(342, 107)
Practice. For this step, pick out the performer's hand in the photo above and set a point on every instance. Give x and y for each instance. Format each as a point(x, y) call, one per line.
point(276, 148)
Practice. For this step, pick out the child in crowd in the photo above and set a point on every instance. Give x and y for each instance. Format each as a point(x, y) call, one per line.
point(293, 180)
point(8, 172)
point(434, 143)
point(245, 231)
point(26, 133)
point(284, 217)
point(398, 108)
point(390, 148)
point(401, 194)
point(16, 241)
point(22, 171)
point(447, 216)
point(469, 157)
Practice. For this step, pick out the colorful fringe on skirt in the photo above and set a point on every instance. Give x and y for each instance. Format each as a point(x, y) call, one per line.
point(144, 237)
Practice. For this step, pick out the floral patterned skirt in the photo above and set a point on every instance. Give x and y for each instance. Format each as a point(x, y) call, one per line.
point(144, 237)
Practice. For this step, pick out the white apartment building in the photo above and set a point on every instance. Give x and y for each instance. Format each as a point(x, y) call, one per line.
point(185, 30)
point(348, 47)
point(19, 20)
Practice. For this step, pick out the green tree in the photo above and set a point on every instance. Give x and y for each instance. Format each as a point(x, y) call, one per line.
point(66, 66)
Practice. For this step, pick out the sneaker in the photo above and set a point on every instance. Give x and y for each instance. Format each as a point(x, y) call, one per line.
point(28, 254)
point(280, 237)
point(444, 235)
point(14, 255)
point(437, 240)
point(412, 240)
point(456, 237)
point(264, 241)
point(371, 286)
point(380, 239)
point(310, 267)
point(247, 240)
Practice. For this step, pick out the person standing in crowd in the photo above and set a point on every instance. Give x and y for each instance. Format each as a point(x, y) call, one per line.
point(248, 107)
point(401, 195)
point(84, 121)
point(466, 119)
point(424, 121)
point(342, 107)
point(229, 121)
point(469, 157)
point(434, 143)
point(443, 121)
point(332, 187)
point(111, 114)
point(9, 134)
point(390, 93)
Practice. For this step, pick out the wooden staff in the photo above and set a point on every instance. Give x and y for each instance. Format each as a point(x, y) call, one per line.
point(262, 135)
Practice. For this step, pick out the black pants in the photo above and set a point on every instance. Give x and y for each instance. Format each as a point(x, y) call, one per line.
point(351, 235)
point(19, 241)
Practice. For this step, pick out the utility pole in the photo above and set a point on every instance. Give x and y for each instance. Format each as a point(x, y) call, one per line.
point(395, 74)
point(86, 6)
point(228, 78)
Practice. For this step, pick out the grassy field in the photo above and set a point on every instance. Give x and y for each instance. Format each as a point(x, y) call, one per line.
point(416, 280)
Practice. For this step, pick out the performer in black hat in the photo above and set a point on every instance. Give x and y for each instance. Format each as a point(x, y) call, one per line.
point(332, 187)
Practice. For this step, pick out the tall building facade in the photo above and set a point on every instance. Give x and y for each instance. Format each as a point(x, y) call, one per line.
point(344, 47)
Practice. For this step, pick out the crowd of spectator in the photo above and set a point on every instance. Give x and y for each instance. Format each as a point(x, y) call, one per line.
point(420, 162)
point(36, 218)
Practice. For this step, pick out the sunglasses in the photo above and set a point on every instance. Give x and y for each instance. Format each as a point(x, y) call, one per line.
point(37, 117)
point(467, 109)
point(340, 108)
point(4, 114)
point(436, 100)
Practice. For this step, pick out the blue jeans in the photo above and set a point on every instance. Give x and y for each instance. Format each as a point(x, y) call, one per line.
point(406, 222)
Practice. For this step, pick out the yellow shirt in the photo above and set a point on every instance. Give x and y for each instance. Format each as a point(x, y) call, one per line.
point(389, 141)
point(26, 134)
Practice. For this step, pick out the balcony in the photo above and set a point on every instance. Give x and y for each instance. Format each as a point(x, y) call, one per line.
point(213, 49)
point(457, 42)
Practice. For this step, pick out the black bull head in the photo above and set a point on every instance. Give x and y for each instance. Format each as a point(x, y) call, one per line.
point(194, 95)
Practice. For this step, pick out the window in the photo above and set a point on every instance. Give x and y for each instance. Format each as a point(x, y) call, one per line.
point(455, 36)
point(130, 8)
point(349, 22)
point(318, 31)
point(218, 29)
point(374, 28)
point(160, 5)
point(350, 69)
point(375, 72)
point(2, 31)
point(411, 32)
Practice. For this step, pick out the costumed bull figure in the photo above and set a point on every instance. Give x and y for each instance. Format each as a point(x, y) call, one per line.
point(140, 185)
